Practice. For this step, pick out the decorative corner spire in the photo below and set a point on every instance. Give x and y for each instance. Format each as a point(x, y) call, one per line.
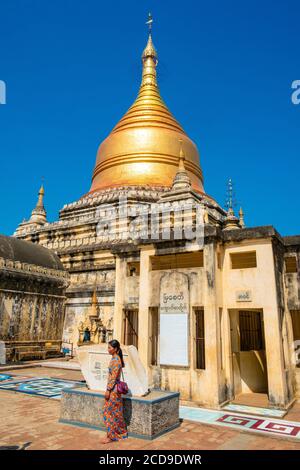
point(39, 213)
point(241, 218)
point(181, 180)
point(94, 297)
point(230, 221)
point(40, 203)
point(181, 166)
point(94, 305)
point(230, 202)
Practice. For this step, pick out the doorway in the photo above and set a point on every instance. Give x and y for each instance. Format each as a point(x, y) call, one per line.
point(249, 362)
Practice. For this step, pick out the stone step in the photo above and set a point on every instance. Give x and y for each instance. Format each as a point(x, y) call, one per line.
point(60, 365)
point(254, 410)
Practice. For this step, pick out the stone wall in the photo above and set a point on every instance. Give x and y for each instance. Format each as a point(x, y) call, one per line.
point(32, 301)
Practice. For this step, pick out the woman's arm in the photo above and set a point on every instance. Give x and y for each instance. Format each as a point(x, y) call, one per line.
point(115, 370)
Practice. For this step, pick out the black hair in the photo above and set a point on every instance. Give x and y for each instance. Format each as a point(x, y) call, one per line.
point(116, 345)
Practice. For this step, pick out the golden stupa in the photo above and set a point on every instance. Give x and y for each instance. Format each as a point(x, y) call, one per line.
point(143, 148)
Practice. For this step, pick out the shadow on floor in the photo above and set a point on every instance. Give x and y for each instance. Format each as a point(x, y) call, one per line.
point(22, 447)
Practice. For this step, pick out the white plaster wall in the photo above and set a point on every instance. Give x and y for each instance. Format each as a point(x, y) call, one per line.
point(260, 280)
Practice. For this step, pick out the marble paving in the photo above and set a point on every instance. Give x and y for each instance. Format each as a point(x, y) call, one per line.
point(275, 427)
point(40, 386)
point(255, 410)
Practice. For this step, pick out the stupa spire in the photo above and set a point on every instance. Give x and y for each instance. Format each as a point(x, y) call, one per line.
point(142, 148)
point(181, 180)
point(149, 58)
point(231, 221)
point(94, 301)
point(40, 203)
point(39, 213)
point(241, 218)
point(149, 107)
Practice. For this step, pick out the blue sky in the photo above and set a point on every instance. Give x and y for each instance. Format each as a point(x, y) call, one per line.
point(72, 68)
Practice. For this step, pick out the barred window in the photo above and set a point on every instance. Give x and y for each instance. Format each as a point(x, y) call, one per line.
point(251, 332)
point(130, 327)
point(290, 264)
point(295, 314)
point(177, 261)
point(242, 260)
point(154, 335)
point(220, 337)
point(199, 338)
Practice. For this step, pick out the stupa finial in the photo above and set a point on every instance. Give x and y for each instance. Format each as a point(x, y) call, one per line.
point(149, 22)
point(149, 58)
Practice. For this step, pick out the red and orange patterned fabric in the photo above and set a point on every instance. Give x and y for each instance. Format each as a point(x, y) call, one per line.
point(113, 408)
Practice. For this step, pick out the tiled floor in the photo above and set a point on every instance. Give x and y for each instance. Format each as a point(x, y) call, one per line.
point(254, 424)
point(8, 378)
point(27, 418)
point(41, 386)
point(46, 372)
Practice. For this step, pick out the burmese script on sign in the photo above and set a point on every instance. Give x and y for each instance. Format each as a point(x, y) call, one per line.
point(173, 303)
point(99, 367)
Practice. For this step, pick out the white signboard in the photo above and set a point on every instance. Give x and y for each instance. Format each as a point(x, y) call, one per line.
point(94, 362)
point(174, 339)
point(174, 309)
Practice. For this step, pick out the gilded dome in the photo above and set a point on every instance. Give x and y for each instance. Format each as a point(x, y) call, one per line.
point(143, 148)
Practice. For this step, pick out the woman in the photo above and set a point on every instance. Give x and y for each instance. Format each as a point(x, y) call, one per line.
point(113, 405)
